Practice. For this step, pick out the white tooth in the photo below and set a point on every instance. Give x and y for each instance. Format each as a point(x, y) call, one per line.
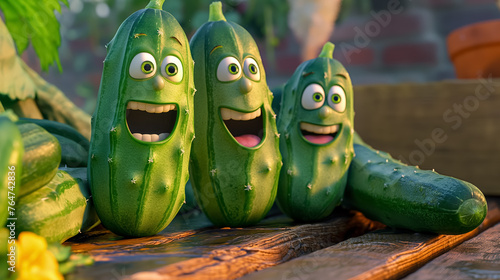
point(259, 112)
point(163, 136)
point(245, 117)
point(159, 109)
point(141, 106)
point(172, 107)
point(137, 136)
point(129, 105)
point(155, 137)
point(150, 108)
point(236, 115)
point(226, 114)
point(146, 137)
point(166, 108)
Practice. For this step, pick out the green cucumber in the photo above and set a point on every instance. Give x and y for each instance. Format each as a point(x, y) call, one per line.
point(11, 154)
point(406, 197)
point(72, 153)
point(137, 179)
point(55, 211)
point(235, 164)
point(42, 155)
point(74, 146)
point(57, 128)
point(316, 124)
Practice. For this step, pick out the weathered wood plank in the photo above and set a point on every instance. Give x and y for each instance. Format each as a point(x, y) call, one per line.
point(477, 258)
point(400, 119)
point(213, 253)
point(377, 255)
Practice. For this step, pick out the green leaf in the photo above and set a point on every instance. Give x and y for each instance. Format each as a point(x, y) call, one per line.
point(35, 21)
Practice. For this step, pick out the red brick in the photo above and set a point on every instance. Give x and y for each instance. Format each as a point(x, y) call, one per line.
point(364, 57)
point(384, 26)
point(410, 54)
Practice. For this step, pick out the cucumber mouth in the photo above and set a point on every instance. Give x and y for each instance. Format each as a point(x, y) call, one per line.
point(319, 134)
point(151, 122)
point(246, 128)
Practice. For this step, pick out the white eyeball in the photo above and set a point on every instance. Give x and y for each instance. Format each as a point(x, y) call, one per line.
point(142, 66)
point(251, 69)
point(313, 97)
point(336, 98)
point(229, 69)
point(171, 68)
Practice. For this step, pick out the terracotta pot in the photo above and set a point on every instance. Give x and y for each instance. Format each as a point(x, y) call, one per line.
point(475, 50)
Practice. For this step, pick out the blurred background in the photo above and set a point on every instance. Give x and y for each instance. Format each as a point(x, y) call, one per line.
point(379, 41)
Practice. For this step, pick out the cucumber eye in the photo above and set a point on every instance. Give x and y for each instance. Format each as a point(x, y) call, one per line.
point(233, 69)
point(336, 98)
point(171, 68)
point(251, 69)
point(147, 67)
point(142, 66)
point(313, 97)
point(228, 69)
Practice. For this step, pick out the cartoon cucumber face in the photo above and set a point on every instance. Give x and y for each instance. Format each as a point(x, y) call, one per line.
point(235, 159)
point(316, 127)
point(142, 128)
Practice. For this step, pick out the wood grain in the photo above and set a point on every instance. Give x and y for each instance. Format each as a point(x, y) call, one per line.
point(478, 258)
point(394, 118)
point(258, 250)
point(376, 255)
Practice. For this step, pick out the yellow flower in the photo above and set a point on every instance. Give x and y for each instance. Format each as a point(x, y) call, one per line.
point(34, 260)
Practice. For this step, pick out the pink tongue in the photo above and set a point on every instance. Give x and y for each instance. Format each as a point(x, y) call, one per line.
point(248, 140)
point(319, 139)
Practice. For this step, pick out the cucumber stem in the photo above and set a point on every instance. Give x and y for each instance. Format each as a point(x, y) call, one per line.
point(215, 13)
point(155, 4)
point(327, 50)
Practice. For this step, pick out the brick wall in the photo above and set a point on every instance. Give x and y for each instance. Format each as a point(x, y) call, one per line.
point(396, 43)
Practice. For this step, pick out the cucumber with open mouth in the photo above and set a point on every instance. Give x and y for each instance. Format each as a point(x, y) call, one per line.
point(316, 125)
point(143, 127)
point(235, 160)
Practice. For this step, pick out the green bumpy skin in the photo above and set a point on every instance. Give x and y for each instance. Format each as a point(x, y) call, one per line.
point(143, 127)
point(11, 155)
point(316, 128)
point(406, 197)
point(234, 163)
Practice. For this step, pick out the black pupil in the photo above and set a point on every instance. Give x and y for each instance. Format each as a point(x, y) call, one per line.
point(171, 69)
point(252, 68)
point(336, 98)
point(317, 97)
point(233, 68)
point(147, 67)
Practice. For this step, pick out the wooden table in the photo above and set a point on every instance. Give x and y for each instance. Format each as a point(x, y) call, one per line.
point(346, 245)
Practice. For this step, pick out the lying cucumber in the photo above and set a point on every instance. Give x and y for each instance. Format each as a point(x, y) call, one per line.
point(57, 210)
point(42, 155)
point(74, 146)
point(406, 197)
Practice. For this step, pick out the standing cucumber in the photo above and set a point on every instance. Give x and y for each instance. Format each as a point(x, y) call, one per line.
point(55, 211)
point(406, 197)
point(316, 120)
point(235, 157)
point(42, 155)
point(143, 127)
point(11, 154)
